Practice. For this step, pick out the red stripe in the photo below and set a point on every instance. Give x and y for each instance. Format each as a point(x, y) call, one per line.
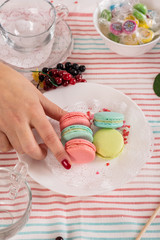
point(9, 159)
point(9, 165)
point(7, 153)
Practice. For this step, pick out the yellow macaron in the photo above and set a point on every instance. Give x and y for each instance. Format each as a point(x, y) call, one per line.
point(109, 143)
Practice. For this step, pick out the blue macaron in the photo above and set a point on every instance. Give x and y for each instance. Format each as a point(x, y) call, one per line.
point(76, 131)
point(108, 119)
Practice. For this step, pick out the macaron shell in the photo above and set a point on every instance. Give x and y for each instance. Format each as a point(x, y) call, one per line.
point(76, 131)
point(80, 151)
point(108, 119)
point(109, 143)
point(74, 118)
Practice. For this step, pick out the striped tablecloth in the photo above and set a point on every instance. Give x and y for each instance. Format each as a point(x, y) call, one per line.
point(122, 213)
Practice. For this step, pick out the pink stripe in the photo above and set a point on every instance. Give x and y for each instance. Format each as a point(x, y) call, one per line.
point(119, 73)
point(111, 53)
point(81, 25)
point(97, 196)
point(119, 79)
point(143, 94)
point(92, 209)
point(137, 189)
point(84, 30)
point(84, 34)
point(145, 182)
point(77, 20)
point(116, 63)
point(76, 14)
point(121, 68)
point(91, 216)
point(95, 202)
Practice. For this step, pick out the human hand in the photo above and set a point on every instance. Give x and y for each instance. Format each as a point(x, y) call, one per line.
point(23, 107)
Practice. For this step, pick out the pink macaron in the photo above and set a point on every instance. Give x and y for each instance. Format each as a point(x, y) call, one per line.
point(80, 151)
point(74, 118)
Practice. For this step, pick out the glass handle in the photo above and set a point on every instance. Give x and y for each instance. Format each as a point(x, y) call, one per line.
point(61, 12)
point(18, 175)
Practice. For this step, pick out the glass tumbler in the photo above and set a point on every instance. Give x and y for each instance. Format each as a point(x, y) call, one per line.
point(28, 26)
point(15, 202)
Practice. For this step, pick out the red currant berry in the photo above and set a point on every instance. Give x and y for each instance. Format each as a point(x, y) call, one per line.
point(83, 80)
point(53, 73)
point(72, 81)
point(65, 84)
point(48, 81)
point(67, 76)
point(60, 73)
point(46, 87)
point(78, 77)
point(58, 80)
point(54, 87)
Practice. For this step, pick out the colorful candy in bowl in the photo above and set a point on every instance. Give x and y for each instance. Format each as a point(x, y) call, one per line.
point(129, 28)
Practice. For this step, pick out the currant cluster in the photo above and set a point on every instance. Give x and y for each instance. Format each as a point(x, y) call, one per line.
point(63, 74)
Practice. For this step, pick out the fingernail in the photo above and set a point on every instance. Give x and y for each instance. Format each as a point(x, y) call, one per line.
point(66, 164)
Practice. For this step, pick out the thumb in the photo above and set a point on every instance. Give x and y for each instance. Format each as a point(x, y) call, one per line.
point(51, 109)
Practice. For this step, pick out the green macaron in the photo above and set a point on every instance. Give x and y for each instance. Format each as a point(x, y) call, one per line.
point(108, 119)
point(76, 131)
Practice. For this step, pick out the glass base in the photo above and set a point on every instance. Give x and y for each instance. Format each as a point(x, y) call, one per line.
point(25, 63)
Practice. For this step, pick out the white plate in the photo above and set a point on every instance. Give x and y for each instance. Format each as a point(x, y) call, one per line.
point(96, 177)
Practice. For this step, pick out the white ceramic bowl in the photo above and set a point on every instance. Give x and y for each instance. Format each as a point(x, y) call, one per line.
point(121, 49)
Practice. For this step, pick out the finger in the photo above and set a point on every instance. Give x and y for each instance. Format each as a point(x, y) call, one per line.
point(29, 144)
point(5, 145)
point(52, 141)
point(13, 139)
point(51, 109)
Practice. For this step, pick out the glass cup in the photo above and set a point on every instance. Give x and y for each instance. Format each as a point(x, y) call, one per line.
point(28, 26)
point(15, 200)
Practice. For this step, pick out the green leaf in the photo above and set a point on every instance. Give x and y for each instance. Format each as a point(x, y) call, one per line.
point(156, 85)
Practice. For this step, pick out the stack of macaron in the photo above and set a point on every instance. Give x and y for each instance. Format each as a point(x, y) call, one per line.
point(77, 137)
point(108, 140)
